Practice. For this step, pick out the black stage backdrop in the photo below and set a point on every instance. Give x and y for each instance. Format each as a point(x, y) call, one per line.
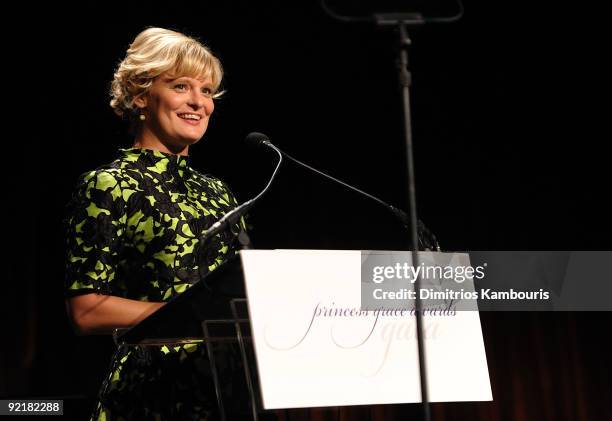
point(509, 146)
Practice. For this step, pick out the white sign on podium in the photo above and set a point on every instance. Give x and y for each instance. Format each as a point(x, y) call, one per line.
point(316, 348)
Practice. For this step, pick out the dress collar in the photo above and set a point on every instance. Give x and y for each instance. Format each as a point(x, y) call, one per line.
point(155, 158)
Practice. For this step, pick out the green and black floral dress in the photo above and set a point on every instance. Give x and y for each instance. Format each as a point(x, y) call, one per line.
point(132, 231)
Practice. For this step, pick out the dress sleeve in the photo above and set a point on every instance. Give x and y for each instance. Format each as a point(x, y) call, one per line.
point(94, 223)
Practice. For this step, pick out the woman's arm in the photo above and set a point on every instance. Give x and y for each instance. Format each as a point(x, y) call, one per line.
point(94, 313)
point(94, 221)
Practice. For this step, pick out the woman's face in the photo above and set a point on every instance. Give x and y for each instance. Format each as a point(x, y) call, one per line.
point(177, 110)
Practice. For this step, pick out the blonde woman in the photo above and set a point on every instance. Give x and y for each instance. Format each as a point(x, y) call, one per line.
point(132, 228)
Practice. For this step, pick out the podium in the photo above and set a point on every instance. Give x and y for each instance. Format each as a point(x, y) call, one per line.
point(364, 357)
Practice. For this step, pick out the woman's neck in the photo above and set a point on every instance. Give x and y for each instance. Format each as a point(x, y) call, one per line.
point(146, 140)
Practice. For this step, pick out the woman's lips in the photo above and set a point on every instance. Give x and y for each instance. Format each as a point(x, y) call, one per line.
point(190, 121)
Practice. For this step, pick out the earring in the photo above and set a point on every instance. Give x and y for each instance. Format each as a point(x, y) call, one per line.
point(142, 117)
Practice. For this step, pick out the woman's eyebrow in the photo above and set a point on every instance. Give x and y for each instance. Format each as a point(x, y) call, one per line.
point(173, 79)
point(206, 83)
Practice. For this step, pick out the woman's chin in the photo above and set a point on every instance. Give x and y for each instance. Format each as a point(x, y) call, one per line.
point(188, 140)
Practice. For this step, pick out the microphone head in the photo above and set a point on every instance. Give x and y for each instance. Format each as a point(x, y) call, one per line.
point(256, 139)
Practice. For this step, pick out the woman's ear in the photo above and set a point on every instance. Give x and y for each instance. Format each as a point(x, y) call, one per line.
point(141, 101)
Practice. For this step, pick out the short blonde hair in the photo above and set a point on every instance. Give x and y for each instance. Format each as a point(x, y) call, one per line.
point(156, 51)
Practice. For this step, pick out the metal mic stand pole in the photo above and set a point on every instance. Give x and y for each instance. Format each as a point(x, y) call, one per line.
point(405, 80)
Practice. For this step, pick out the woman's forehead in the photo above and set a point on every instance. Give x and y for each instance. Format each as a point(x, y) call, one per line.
point(169, 76)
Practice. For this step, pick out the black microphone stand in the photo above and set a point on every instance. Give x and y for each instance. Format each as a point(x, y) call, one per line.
point(402, 22)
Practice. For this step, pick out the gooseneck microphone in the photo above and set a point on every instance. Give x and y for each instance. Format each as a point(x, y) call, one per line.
point(235, 214)
point(427, 240)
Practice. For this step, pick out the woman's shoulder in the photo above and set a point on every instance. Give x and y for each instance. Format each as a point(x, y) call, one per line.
point(99, 188)
point(101, 184)
point(103, 176)
point(210, 179)
point(220, 186)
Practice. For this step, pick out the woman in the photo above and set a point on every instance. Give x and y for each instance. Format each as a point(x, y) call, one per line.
point(133, 227)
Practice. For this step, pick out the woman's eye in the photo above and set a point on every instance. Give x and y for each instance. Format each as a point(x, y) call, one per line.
point(180, 86)
point(207, 91)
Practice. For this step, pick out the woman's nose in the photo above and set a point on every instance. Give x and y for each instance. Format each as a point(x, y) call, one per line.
point(202, 101)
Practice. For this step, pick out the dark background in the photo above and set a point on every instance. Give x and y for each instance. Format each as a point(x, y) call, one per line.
point(509, 118)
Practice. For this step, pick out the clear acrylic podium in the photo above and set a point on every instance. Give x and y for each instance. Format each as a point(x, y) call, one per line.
point(213, 310)
point(234, 369)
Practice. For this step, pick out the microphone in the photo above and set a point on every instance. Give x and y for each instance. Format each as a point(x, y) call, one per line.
point(235, 214)
point(427, 240)
point(255, 139)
